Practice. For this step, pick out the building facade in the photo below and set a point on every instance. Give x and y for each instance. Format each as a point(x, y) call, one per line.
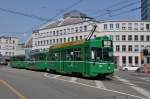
point(145, 9)
point(129, 37)
point(69, 29)
point(8, 45)
point(129, 40)
point(20, 49)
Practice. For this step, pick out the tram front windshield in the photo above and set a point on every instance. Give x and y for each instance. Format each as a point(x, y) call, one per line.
point(102, 54)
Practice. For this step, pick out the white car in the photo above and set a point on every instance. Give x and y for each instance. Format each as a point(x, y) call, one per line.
point(133, 68)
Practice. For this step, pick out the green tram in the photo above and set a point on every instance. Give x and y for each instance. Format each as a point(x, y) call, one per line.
point(89, 58)
point(18, 61)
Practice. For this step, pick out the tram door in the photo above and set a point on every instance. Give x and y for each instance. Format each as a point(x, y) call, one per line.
point(62, 60)
point(86, 59)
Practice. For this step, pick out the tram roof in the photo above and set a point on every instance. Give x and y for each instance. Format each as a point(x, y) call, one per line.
point(68, 44)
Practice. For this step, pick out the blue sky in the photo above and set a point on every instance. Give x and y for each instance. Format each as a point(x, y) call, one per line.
point(16, 25)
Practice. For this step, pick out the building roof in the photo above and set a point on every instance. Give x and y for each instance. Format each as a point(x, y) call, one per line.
point(7, 37)
point(69, 18)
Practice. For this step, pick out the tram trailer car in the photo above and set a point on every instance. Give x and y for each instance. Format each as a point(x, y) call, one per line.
point(18, 61)
point(38, 60)
point(89, 58)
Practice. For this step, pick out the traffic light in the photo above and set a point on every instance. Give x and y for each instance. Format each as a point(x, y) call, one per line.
point(145, 52)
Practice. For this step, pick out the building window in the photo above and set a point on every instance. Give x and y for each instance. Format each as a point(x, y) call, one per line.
point(136, 37)
point(105, 26)
point(130, 60)
point(76, 37)
point(136, 48)
point(117, 48)
point(53, 41)
point(50, 41)
point(129, 26)
point(80, 28)
point(130, 37)
point(64, 31)
point(53, 33)
point(47, 42)
point(72, 30)
point(142, 26)
point(38, 42)
point(85, 28)
point(130, 48)
point(123, 48)
point(123, 26)
point(60, 40)
point(44, 42)
point(68, 30)
point(68, 39)
point(124, 60)
point(13, 41)
point(117, 26)
point(142, 47)
point(57, 32)
point(111, 26)
point(147, 27)
point(57, 40)
point(123, 37)
point(135, 26)
point(142, 37)
point(117, 37)
point(76, 29)
point(80, 37)
point(136, 60)
point(64, 39)
point(72, 38)
point(147, 38)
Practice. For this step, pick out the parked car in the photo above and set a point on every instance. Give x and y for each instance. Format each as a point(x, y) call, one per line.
point(141, 69)
point(133, 68)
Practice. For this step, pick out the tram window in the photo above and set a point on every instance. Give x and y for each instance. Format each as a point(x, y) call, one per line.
point(77, 54)
point(100, 54)
point(70, 55)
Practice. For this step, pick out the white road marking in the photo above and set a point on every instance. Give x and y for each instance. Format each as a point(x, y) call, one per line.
point(138, 89)
point(99, 84)
point(145, 79)
point(56, 76)
point(114, 91)
point(47, 75)
point(73, 79)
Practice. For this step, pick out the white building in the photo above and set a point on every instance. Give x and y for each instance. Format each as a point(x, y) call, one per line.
point(129, 37)
point(70, 28)
point(8, 45)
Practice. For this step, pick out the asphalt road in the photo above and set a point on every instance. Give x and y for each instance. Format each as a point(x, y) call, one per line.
point(25, 84)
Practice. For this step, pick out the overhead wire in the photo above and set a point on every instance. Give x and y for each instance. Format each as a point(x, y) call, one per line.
point(109, 12)
point(23, 14)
